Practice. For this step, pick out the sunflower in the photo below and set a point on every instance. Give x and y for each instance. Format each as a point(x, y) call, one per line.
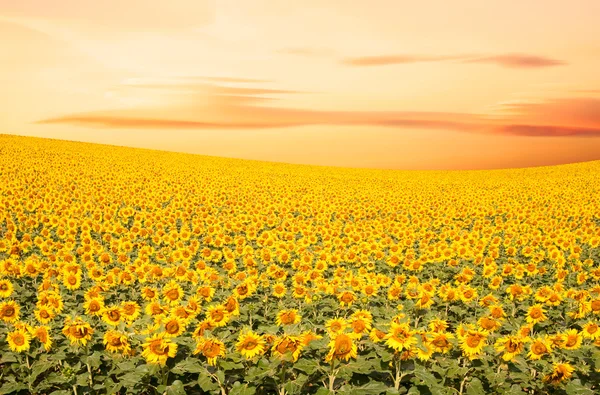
point(591, 330)
point(232, 305)
point(116, 342)
point(472, 343)
point(112, 315)
point(360, 325)
point(77, 330)
point(573, 340)
point(347, 298)
point(539, 347)
point(205, 292)
point(211, 349)
point(536, 314)
point(288, 345)
point(72, 281)
point(9, 311)
point(488, 324)
point(44, 314)
point(250, 344)
point(377, 335)
point(309, 336)
point(6, 288)
point(561, 372)
point(279, 290)
point(94, 306)
point(174, 326)
point(510, 346)
point(288, 317)
point(217, 315)
point(437, 325)
point(468, 294)
point(202, 327)
point(172, 292)
point(149, 294)
point(400, 337)
point(341, 347)
point(42, 333)
point(336, 325)
point(155, 309)
point(18, 340)
point(157, 349)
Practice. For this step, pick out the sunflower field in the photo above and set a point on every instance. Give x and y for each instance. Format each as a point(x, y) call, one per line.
point(134, 271)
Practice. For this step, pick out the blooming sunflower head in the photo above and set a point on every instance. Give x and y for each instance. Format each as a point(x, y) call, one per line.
point(250, 344)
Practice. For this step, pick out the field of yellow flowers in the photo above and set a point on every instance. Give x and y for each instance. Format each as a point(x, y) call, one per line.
point(136, 271)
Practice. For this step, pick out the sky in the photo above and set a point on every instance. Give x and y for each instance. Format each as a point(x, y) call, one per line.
point(392, 84)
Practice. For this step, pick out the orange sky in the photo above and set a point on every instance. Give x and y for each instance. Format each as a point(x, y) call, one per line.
point(386, 83)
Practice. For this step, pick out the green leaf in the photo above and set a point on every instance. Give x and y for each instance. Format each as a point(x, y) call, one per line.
point(10, 387)
point(474, 387)
point(308, 366)
point(38, 368)
point(207, 385)
point(187, 366)
point(61, 392)
point(515, 390)
point(7, 358)
point(131, 379)
point(176, 388)
point(323, 391)
point(576, 388)
point(372, 388)
point(239, 389)
point(226, 365)
point(429, 380)
point(94, 360)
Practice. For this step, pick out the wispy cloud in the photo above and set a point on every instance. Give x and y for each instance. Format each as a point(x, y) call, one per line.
point(384, 60)
point(518, 61)
point(504, 60)
point(206, 106)
point(549, 131)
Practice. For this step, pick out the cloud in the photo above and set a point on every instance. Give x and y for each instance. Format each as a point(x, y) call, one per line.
point(504, 60)
point(385, 60)
point(518, 61)
point(205, 106)
point(549, 131)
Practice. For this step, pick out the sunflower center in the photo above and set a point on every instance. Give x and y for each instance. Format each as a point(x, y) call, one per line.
point(511, 347)
point(210, 349)
point(343, 345)
point(172, 327)
point(592, 329)
point(8, 311)
point(539, 348)
point(473, 340)
point(19, 339)
point(158, 349)
point(217, 316)
point(44, 314)
point(535, 314)
point(571, 341)
point(250, 344)
point(440, 342)
point(114, 315)
point(173, 294)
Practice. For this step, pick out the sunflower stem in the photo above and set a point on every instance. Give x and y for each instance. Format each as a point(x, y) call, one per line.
point(332, 376)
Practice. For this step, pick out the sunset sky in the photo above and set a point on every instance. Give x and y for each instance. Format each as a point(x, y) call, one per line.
point(468, 84)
